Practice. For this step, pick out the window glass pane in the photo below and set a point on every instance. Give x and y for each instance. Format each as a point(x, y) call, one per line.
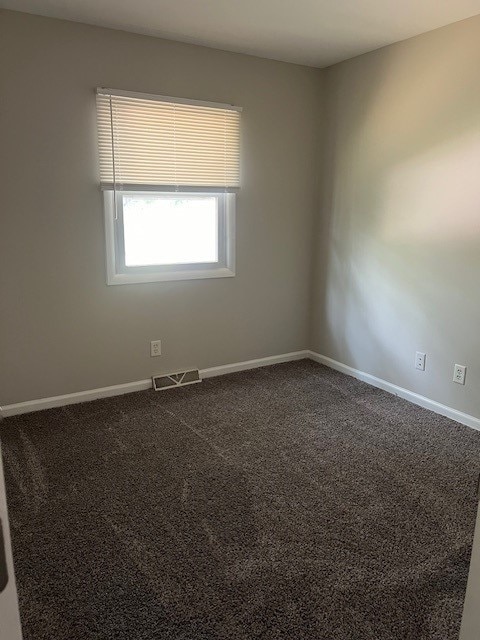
point(170, 229)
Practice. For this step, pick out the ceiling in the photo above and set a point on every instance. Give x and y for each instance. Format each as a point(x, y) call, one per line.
point(311, 32)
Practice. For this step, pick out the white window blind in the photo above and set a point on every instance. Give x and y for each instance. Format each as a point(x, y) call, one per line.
point(150, 141)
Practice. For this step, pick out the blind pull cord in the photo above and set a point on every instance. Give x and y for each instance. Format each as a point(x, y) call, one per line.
point(113, 163)
point(175, 146)
point(225, 149)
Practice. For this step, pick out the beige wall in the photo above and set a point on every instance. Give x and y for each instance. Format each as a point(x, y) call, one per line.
point(398, 243)
point(62, 329)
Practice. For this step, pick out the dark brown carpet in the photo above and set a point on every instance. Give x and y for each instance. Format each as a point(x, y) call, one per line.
point(289, 502)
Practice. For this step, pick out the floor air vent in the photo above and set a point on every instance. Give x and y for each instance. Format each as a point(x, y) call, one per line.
point(180, 379)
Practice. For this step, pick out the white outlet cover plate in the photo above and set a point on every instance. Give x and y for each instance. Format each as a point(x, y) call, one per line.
point(420, 359)
point(459, 372)
point(155, 348)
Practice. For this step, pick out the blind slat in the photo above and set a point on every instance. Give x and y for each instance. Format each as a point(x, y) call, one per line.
point(144, 140)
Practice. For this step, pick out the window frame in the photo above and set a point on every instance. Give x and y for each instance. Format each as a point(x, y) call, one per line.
point(118, 273)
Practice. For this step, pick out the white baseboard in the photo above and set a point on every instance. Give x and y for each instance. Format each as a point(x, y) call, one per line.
point(253, 364)
point(74, 398)
point(415, 398)
point(139, 385)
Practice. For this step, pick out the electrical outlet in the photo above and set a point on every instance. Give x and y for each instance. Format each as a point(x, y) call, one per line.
point(459, 372)
point(155, 348)
point(420, 358)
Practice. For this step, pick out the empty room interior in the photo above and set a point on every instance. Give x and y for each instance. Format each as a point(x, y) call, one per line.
point(239, 320)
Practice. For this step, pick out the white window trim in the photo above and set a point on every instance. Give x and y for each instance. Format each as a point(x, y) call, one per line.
point(227, 270)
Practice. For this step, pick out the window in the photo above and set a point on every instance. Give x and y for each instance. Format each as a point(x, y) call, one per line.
point(169, 169)
point(158, 235)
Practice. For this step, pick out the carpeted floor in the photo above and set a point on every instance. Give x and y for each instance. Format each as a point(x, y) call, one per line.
point(290, 502)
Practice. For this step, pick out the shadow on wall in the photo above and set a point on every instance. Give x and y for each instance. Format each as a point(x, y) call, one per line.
point(400, 234)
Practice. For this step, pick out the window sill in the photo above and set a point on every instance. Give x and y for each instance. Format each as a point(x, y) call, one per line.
point(138, 278)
